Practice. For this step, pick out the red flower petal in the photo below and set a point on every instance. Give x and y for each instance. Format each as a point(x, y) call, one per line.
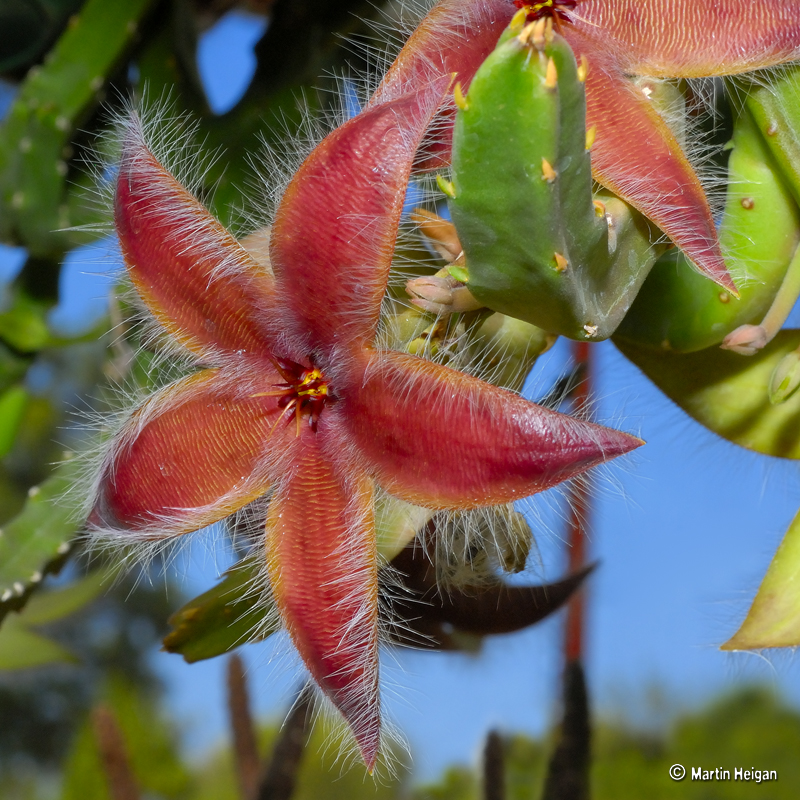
point(195, 278)
point(333, 238)
point(689, 39)
point(636, 155)
point(194, 453)
point(442, 439)
point(453, 39)
point(322, 563)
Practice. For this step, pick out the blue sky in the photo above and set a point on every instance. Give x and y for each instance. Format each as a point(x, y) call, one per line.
point(684, 530)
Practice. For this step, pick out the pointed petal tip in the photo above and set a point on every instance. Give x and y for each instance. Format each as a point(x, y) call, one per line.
point(721, 276)
point(370, 748)
point(613, 443)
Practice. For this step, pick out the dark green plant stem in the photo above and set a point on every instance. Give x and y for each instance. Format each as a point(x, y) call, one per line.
point(568, 770)
point(245, 748)
point(280, 776)
point(300, 38)
point(494, 783)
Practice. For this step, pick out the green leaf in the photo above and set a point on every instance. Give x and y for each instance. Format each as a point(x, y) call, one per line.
point(774, 617)
point(38, 539)
point(56, 604)
point(24, 326)
point(728, 393)
point(12, 407)
point(12, 367)
point(21, 648)
point(228, 615)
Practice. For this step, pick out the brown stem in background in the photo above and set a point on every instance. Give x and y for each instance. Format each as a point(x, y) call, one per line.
point(280, 776)
point(121, 781)
point(494, 782)
point(245, 747)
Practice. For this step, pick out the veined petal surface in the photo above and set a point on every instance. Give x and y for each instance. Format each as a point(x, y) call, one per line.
point(442, 439)
point(193, 454)
point(323, 570)
point(691, 39)
point(334, 233)
point(195, 278)
point(637, 156)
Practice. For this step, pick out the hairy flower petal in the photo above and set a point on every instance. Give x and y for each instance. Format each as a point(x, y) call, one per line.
point(637, 156)
point(691, 39)
point(194, 453)
point(195, 278)
point(442, 439)
point(323, 570)
point(334, 234)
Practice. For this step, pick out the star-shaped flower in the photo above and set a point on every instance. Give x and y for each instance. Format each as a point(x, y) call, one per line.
point(292, 397)
point(634, 154)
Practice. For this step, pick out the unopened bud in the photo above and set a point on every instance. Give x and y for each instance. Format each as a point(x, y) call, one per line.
point(746, 340)
point(441, 295)
point(785, 378)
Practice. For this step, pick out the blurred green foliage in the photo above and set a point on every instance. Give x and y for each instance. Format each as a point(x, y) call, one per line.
point(751, 729)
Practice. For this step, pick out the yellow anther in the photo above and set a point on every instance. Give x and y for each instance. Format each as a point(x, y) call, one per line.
point(518, 20)
point(551, 75)
point(310, 377)
point(583, 69)
point(548, 173)
point(561, 262)
point(599, 208)
point(461, 100)
point(591, 134)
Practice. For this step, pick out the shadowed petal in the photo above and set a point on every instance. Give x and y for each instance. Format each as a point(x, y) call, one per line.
point(334, 234)
point(442, 439)
point(195, 278)
point(191, 455)
point(637, 156)
point(322, 563)
point(691, 39)
point(427, 609)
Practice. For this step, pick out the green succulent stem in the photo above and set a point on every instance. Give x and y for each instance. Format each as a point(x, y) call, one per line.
point(537, 245)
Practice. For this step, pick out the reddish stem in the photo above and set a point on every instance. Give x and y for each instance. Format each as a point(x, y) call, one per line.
point(578, 515)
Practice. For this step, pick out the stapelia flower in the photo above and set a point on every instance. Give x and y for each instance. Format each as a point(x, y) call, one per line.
point(292, 396)
point(634, 154)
